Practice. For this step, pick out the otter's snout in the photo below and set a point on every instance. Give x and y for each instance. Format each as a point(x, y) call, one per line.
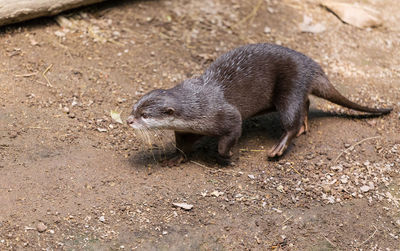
point(130, 120)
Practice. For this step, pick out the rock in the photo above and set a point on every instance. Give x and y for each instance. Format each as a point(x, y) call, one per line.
point(59, 34)
point(116, 34)
point(306, 26)
point(184, 206)
point(366, 163)
point(354, 14)
point(337, 168)
point(251, 176)
point(64, 22)
point(326, 188)
point(66, 109)
point(310, 156)
point(280, 189)
point(121, 100)
point(371, 185)
point(102, 218)
point(41, 227)
point(217, 193)
point(71, 115)
point(365, 189)
point(267, 29)
point(277, 210)
point(344, 179)
point(75, 102)
point(13, 134)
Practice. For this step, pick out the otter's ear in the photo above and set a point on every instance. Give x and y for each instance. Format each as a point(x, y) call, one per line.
point(169, 110)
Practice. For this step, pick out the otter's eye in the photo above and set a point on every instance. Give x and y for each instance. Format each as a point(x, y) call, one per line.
point(144, 115)
point(169, 111)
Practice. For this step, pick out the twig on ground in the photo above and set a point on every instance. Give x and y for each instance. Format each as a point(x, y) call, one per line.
point(286, 220)
point(369, 238)
point(197, 163)
point(251, 15)
point(38, 127)
point(295, 170)
point(252, 150)
point(44, 75)
point(26, 75)
point(352, 147)
point(333, 245)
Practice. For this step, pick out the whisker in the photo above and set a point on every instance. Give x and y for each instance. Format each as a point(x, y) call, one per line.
point(157, 141)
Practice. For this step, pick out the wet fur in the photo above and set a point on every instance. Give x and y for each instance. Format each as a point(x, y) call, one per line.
point(245, 82)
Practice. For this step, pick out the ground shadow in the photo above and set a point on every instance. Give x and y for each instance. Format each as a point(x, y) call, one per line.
point(265, 127)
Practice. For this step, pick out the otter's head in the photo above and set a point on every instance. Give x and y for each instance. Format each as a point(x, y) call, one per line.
point(155, 110)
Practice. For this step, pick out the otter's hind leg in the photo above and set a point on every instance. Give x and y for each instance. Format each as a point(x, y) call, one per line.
point(304, 127)
point(292, 115)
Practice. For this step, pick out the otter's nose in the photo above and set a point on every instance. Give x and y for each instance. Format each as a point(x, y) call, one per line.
point(130, 120)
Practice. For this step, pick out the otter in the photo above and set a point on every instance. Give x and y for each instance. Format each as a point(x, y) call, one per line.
point(245, 82)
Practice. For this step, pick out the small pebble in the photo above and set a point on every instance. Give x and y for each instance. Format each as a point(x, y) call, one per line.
point(102, 218)
point(365, 189)
point(338, 168)
point(121, 100)
point(344, 179)
point(184, 206)
point(267, 29)
point(59, 34)
point(280, 189)
point(41, 227)
point(326, 188)
point(12, 134)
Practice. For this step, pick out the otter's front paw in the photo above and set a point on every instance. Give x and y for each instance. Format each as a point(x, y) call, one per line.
point(175, 160)
point(225, 161)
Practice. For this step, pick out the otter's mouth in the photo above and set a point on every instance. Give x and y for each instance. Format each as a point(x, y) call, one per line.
point(134, 123)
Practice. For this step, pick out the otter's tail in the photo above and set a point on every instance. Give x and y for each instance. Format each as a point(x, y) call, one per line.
point(321, 87)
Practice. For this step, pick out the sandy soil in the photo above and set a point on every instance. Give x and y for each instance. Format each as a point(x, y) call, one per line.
point(73, 179)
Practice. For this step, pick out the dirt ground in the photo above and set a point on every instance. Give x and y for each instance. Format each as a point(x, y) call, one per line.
point(72, 178)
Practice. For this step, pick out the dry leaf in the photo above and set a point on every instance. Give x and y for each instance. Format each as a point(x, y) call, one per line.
point(116, 117)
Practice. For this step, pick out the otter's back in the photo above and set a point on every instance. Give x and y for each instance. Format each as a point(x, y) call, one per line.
point(250, 74)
